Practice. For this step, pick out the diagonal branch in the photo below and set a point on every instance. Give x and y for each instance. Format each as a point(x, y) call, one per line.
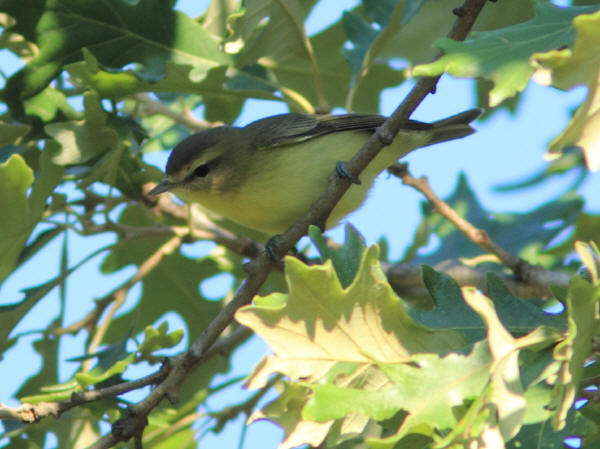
point(260, 267)
point(524, 272)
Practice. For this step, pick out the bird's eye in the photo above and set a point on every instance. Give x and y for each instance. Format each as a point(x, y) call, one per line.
point(201, 171)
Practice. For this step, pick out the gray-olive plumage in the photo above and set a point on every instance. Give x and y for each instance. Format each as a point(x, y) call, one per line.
point(266, 174)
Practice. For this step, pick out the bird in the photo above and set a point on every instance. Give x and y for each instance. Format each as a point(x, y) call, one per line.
point(265, 175)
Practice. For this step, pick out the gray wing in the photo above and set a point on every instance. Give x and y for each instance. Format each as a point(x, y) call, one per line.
point(286, 129)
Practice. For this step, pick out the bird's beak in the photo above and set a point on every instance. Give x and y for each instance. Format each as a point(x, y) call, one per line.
point(162, 187)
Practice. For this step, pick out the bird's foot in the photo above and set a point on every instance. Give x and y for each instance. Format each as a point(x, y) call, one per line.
point(342, 172)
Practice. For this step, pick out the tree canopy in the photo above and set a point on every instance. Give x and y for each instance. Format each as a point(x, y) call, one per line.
point(489, 340)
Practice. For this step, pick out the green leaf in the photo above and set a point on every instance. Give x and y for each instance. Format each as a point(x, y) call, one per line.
point(571, 354)
point(159, 338)
point(452, 313)
point(322, 333)
point(411, 9)
point(223, 89)
point(48, 177)
point(50, 104)
point(10, 133)
point(590, 256)
point(433, 404)
point(503, 55)
point(506, 391)
point(286, 412)
point(100, 373)
point(114, 32)
point(217, 15)
point(567, 68)
point(346, 258)
point(541, 435)
point(416, 388)
point(16, 222)
point(82, 140)
point(352, 321)
point(176, 277)
point(310, 70)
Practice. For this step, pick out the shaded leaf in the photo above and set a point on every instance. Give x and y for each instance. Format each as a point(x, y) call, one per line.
point(171, 287)
point(521, 234)
point(571, 353)
point(50, 104)
point(83, 140)
point(61, 29)
point(346, 258)
point(411, 8)
point(15, 179)
point(310, 70)
point(11, 132)
point(543, 436)
point(286, 412)
point(571, 159)
point(503, 55)
point(451, 312)
point(223, 89)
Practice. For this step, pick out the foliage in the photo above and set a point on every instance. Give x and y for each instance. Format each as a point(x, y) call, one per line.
point(355, 359)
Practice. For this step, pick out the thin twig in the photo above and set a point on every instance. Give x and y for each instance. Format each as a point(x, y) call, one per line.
point(120, 294)
point(28, 413)
point(185, 117)
point(406, 279)
point(523, 271)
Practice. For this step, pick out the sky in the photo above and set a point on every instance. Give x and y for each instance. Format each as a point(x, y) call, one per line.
point(506, 148)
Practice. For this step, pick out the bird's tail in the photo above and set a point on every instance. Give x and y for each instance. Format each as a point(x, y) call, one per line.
point(454, 127)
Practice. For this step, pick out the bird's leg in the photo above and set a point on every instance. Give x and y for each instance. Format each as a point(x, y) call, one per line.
point(342, 172)
point(273, 250)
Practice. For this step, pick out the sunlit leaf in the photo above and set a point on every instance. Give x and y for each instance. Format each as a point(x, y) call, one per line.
point(577, 66)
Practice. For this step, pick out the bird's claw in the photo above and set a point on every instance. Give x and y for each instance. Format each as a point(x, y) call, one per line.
point(342, 172)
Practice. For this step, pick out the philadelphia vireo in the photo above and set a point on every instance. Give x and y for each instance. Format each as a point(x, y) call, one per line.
point(267, 174)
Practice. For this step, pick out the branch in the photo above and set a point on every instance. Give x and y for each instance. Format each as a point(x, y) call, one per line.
point(260, 266)
point(406, 279)
point(29, 413)
point(185, 117)
point(524, 272)
point(232, 412)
